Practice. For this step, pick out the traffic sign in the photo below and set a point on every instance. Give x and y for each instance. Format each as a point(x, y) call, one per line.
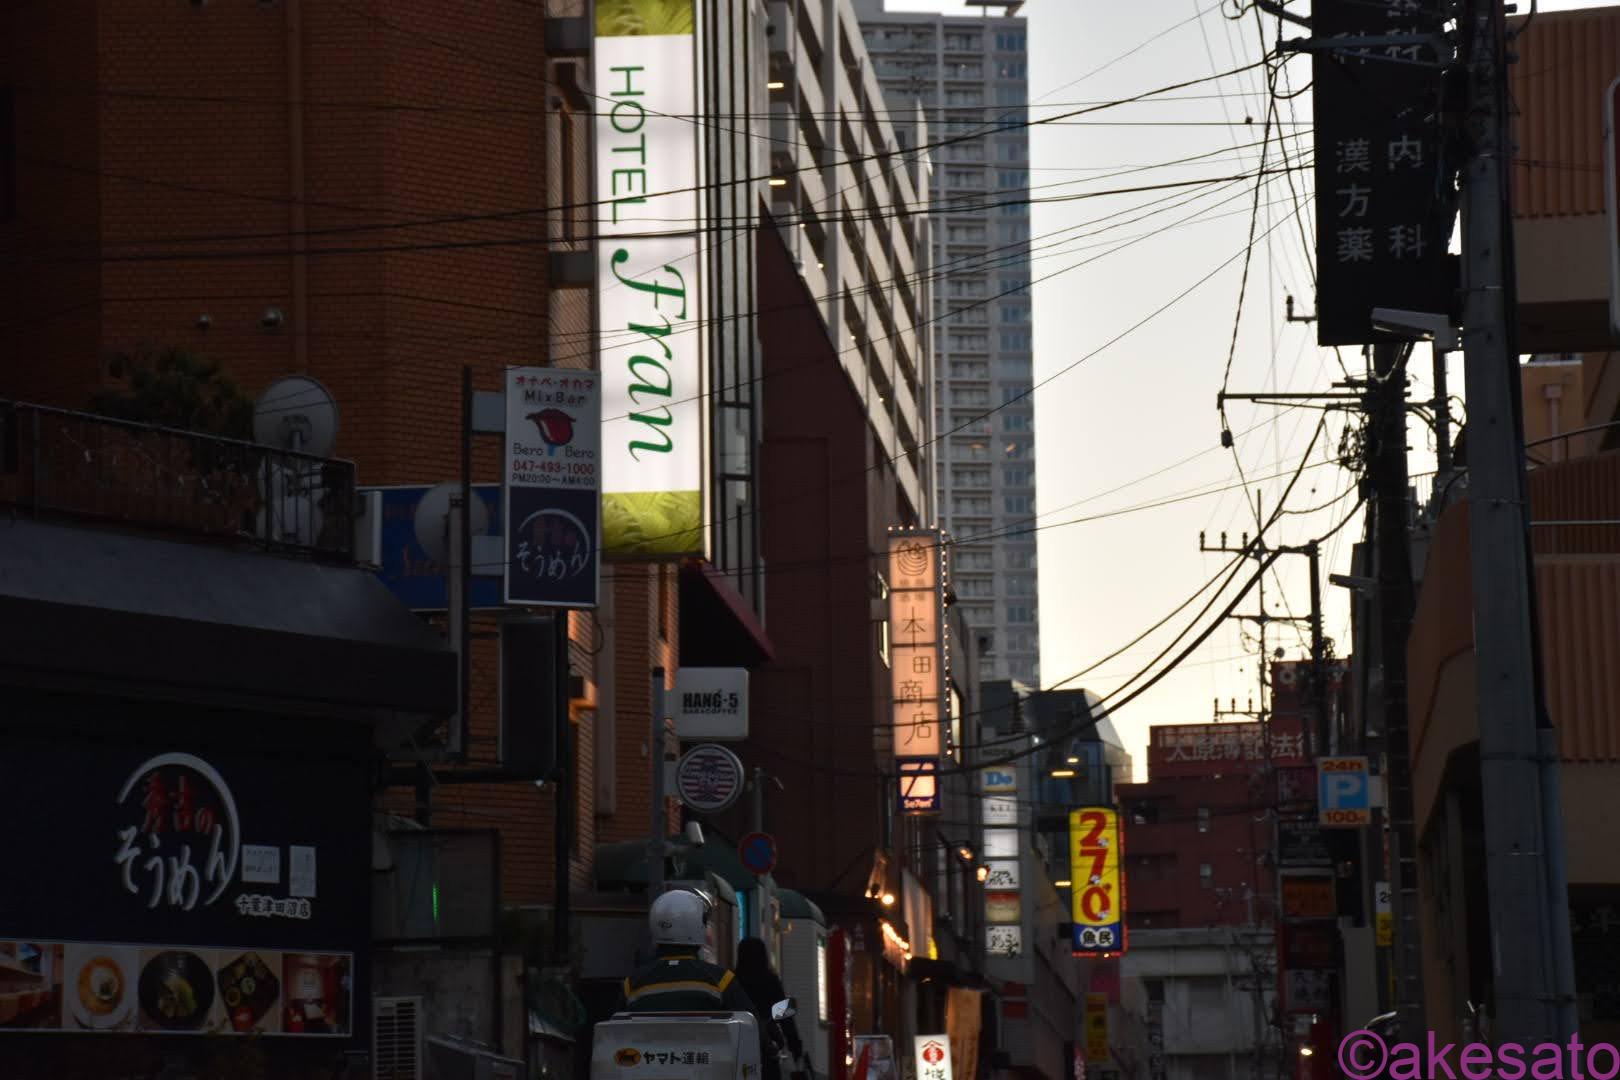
point(757, 851)
point(1343, 792)
point(709, 778)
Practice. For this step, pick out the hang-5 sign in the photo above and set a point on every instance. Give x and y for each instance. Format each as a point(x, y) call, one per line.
point(1095, 866)
point(648, 278)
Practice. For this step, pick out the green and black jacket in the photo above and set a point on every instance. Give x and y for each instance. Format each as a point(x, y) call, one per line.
point(683, 982)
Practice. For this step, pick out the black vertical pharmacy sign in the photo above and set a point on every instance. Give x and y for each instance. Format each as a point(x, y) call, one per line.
point(1384, 202)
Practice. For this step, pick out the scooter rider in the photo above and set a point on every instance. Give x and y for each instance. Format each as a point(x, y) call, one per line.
point(680, 979)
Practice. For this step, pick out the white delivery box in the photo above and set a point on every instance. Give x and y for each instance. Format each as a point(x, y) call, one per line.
point(666, 1046)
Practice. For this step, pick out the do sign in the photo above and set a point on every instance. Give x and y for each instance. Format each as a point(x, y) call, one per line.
point(1098, 881)
point(1343, 792)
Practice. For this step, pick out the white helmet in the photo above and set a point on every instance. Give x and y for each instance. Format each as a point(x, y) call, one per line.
point(680, 917)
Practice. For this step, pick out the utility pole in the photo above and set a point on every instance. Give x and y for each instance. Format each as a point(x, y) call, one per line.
point(1524, 843)
point(1387, 470)
point(1259, 550)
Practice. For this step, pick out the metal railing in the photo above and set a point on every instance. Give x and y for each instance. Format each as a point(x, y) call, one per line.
point(76, 464)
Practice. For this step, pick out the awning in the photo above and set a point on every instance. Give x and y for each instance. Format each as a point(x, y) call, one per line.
point(795, 905)
point(718, 628)
point(102, 611)
point(625, 864)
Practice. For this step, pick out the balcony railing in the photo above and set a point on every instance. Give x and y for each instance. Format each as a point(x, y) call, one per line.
point(59, 462)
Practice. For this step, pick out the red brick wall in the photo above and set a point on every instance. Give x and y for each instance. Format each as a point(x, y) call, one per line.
point(161, 152)
point(49, 278)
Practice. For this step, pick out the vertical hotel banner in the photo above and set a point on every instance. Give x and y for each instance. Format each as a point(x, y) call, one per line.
point(917, 662)
point(1098, 881)
point(648, 276)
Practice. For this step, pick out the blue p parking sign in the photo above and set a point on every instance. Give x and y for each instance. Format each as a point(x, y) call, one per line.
point(1343, 792)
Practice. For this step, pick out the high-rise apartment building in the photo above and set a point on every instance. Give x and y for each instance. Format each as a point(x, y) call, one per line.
point(969, 75)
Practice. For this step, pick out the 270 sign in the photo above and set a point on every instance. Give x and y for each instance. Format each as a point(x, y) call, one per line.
point(1098, 881)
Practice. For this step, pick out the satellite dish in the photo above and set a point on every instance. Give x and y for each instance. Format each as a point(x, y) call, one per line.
point(296, 413)
point(430, 515)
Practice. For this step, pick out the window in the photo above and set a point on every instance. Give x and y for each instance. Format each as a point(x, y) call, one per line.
point(962, 476)
point(1012, 69)
point(1203, 819)
point(1013, 232)
point(964, 234)
point(964, 71)
point(1019, 558)
point(966, 559)
point(964, 97)
point(1015, 449)
point(968, 369)
point(1143, 813)
point(959, 41)
point(973, 178)
point(1018, 613)
point(972, 316)
point(1010, 95)
point(975, 586)
point(970, 504)
point(1019, 585)
point(1015, 392)
point(1014, 209)
point(1016, 476)
point(1014, 313)
point(1010, 42)
point(1206, 875)
point(1019, 504)
point(1012, 420)
point(970, 396)
point(1012, 151)
point(1015, 340)
point(1012, 179)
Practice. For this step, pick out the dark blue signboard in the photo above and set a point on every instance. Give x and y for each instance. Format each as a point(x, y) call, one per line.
point(552, 547)
point(415, 578)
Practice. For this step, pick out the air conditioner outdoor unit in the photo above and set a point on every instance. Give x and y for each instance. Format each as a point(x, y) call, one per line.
point(397, 1039)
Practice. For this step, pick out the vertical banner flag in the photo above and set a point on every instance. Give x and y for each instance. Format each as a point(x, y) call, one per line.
point(917, 649)
point(1383, 215)
point(1098, 882)
point(552, 487)
point(647, 278)
point(1096, 1029)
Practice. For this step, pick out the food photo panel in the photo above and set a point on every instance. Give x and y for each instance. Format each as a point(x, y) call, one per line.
point(30, 985)
point(99, 986)
point(249, 985)
point(175, 991)
point(315, 993)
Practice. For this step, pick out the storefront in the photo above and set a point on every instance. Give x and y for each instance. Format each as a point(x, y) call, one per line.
point(188, 799)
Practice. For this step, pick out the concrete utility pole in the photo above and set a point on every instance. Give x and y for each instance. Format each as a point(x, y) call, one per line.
point(1387, 470)
point(1524, 843)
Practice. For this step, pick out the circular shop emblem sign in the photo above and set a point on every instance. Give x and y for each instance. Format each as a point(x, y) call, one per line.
point(709, 778)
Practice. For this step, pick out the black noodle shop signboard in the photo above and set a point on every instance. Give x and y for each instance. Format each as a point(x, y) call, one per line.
point(167, 888)
point(1383, 215)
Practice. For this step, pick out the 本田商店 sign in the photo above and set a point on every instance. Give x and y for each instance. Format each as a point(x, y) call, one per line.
point(917, 641)
point(648, 279)
point(552, 487)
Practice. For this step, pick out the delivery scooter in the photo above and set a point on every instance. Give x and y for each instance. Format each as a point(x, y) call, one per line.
point(684, 1045)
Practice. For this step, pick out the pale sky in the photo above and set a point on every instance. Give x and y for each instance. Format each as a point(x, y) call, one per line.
point(1147, 401)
